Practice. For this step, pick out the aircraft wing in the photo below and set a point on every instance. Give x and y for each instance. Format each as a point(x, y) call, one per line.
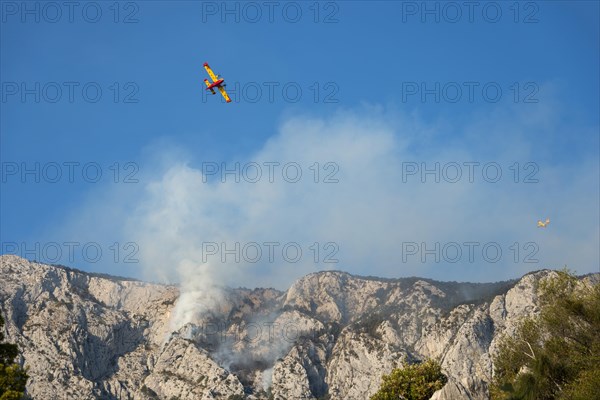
point(224, 93)
point(210, 73)
point(208, 84)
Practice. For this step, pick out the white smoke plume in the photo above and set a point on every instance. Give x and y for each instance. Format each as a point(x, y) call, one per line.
point(267, 379)
point(372, 208)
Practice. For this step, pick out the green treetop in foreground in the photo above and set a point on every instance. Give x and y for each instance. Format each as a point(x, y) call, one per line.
point(12, 377)
point(555, 355)
point(414, 382)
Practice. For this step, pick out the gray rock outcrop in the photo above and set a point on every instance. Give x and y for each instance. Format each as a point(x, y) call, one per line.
point(90, 336)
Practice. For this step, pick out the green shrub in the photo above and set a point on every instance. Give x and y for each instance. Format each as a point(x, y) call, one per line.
point(413, 382)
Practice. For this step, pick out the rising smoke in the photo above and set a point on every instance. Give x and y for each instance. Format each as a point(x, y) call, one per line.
point(369, 208)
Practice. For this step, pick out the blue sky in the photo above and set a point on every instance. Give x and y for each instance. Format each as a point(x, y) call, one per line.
point(361, 68)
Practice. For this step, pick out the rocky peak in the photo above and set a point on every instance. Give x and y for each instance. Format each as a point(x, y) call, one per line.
point(91, 336)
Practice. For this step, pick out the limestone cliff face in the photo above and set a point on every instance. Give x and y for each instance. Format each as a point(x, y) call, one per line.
point(87, 336)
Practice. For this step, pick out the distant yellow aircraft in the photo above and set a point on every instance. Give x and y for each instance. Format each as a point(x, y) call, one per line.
point(217, 83)
point(543, 224)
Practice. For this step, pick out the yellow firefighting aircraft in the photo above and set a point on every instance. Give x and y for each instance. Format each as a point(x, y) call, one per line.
point(542, 224)
point(217, 82)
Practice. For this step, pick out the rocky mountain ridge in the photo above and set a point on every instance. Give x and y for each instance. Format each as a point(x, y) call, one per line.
point(330, 335)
